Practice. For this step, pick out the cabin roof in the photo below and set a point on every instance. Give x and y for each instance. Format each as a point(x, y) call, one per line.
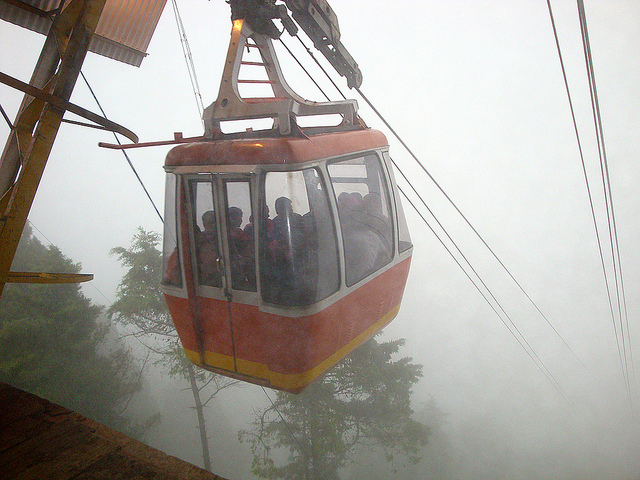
point(274, 151)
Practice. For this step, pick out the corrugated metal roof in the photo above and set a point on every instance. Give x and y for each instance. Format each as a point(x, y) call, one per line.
point(26, 19)
point(123, 32)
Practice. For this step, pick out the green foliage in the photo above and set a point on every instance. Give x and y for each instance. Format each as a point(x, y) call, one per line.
point(140, 301)
point(363, 402)
point(140, 305)
point(438, 460)
point(53, 342)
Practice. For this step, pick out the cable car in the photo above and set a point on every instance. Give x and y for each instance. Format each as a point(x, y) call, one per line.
point(284, 249)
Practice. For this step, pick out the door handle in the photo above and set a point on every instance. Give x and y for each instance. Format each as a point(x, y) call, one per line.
point(220, 266)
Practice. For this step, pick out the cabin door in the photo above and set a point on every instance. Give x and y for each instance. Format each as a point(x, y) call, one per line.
point(224, 260)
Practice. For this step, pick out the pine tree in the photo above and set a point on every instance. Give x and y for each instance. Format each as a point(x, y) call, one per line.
point(363, 402)
point(140, 307)
point(55, 344)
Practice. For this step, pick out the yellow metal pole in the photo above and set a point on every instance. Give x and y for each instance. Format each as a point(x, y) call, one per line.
point(25, 157)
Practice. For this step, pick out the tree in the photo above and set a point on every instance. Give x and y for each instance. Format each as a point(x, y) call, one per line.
point(438, 459)
point(55, 344)
point(363, 402)
point(140, 307)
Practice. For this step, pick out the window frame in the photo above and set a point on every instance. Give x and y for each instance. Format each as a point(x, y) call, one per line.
point(385, 182)
point(319, 167)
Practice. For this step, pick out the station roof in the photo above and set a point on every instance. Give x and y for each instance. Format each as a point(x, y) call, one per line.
point(39, 439)
point(123, 33)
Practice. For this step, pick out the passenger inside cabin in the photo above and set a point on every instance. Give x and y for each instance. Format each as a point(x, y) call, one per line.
point(287, 225)
point(249, 228)
point(375, 219)
point(234, 220)
point(285, 254)
point(240, 252)
point(365, 250)
point(299, 264)
point(208, 253)
point(209, 223)
point(318, 235)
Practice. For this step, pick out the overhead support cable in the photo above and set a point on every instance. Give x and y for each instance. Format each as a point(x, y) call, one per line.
point(186, 51)
point(102, 121)
point(619, 335)
point(460, 212)
point(473, 229)
point(608, 196)
point(126, 156)
point(6, 118)
point(486, 293)
point(303, 68)
point(586, 177)
point(321, 67)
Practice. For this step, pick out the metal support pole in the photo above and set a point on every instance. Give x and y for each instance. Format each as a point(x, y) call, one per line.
point(30, 143)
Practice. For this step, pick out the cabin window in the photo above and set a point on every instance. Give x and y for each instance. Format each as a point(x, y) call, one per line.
point(365, 218)
point(298, 256)
point(205, 231)
point(240, 241)
point(404, 239)
point(172, 274)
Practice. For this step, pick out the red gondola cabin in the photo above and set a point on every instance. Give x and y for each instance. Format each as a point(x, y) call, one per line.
point(284, 254)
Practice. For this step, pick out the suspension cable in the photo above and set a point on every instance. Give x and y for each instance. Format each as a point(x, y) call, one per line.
point(621, 355)
point(442, 191)
point(608, 196)
point(469, 223)
point(186, 51)
point(126, 156)
point(524, 343)
point(466, 220)
point(124, 152)
point(320, 66)
point(6, 118)
point(304, 69)
point(487, 294)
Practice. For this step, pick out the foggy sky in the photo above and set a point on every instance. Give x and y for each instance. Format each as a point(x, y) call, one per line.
point(476, 90)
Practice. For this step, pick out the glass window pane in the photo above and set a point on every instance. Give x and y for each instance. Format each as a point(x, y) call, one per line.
point(404, 239)
point(205, 232)
point(240, 235)
point(297, 240)
point(364, 209)
point(171, 258)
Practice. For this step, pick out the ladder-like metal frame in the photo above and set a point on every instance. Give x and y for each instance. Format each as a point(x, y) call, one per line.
point(283, 107)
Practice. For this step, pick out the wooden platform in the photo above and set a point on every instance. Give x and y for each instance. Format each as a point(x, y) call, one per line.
point(41, 440)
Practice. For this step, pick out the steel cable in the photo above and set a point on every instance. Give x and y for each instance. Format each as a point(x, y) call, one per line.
point(522, 340)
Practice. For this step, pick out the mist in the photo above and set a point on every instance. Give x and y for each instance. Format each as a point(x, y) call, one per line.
point(476, 90)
